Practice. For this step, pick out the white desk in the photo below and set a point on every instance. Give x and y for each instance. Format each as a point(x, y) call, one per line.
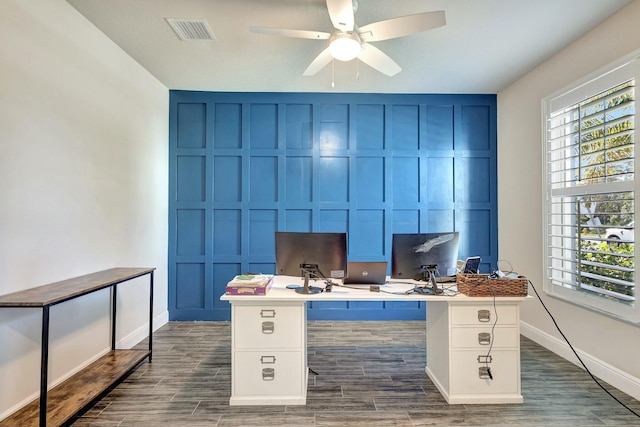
point(269, 344)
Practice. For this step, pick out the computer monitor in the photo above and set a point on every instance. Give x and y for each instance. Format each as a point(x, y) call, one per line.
point(311, 255)
point(424, 256)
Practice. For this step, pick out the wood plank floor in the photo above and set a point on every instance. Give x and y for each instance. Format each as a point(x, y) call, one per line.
point(368, 374)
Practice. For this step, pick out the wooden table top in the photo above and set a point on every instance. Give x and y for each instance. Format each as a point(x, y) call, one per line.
point(64, 290)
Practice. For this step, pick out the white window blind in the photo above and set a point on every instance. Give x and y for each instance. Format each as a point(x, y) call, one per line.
point(590, 198)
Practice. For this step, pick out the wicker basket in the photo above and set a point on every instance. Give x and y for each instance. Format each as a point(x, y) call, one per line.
point(483, 285)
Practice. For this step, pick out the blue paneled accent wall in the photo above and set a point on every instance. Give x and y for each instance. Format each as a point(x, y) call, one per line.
point(245, 165)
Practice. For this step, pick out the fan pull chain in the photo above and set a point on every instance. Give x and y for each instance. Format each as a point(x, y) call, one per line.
point(357, 69)
point(333, 73)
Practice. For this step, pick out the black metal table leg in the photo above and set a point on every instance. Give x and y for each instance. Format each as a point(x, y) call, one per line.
point(114, 303)
point(44, 366)
point(150, 315)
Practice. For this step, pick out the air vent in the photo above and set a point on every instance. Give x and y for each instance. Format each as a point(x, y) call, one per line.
point(191, 29)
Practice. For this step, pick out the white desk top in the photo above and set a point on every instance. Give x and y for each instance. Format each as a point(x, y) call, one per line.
point(392, 291)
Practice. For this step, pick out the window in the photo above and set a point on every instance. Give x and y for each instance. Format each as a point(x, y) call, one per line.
point(590, 198)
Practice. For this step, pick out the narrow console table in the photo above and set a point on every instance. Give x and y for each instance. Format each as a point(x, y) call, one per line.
point(473, 343)
point(58, 406)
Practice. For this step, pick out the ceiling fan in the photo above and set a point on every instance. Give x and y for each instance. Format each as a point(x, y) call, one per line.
point(347, 41)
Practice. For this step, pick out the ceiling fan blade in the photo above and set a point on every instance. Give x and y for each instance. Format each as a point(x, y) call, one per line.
point(341, 14)
point(375, 58)
point(402, 26)
point(299, 34)
point(318, 63)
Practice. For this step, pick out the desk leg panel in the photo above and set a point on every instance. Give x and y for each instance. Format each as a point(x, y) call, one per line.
point(438, 345)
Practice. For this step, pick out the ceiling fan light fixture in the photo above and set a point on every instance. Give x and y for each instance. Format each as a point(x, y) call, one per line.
point(345, 46)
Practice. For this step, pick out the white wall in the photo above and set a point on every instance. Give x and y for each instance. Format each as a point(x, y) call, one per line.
point(610, 347)
point(83, 167)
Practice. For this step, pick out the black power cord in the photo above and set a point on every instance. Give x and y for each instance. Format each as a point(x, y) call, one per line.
point(493, 328)
point(569, 344)
point(578, 356)
point(561, 333)
point(487, 357)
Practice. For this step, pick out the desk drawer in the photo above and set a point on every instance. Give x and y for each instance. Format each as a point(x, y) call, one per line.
point(272, 326)
point(268, 373)
point(481, 337)
point(466, 377)
point(484, 314)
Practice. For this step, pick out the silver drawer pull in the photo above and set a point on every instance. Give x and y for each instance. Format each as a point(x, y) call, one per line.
point(484, 373)
point(267, 313)
point(484, 338)
point(268, 327)
point(484, 316)
point(267, 360)
point(485, 359)
point(268, 374)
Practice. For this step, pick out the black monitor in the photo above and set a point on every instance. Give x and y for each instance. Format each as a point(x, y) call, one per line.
point(311, 255)
point(424, 256)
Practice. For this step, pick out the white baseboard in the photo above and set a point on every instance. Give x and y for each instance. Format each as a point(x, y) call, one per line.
point(610, 374)
point(143, 331)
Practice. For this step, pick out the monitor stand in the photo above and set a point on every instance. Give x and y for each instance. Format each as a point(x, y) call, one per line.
point(307, 271)
point(429, 275)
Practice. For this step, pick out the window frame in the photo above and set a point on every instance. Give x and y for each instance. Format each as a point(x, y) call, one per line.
point(618, 72)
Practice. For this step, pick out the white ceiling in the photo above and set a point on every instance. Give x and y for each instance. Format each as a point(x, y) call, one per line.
point(486, 44)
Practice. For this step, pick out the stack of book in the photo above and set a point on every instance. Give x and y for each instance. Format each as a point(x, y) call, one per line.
point(249, 284)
